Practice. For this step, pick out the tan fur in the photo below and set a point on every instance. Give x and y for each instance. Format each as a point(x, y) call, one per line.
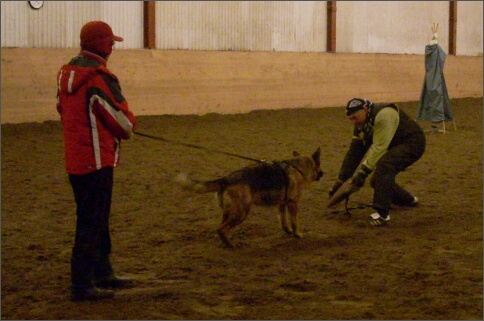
point(279, 183)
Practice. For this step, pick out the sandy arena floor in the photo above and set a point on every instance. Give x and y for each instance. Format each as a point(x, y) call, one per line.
point(426, 265)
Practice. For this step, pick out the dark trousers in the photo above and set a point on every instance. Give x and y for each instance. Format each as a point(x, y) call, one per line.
point(395, 160)
point(92, 244)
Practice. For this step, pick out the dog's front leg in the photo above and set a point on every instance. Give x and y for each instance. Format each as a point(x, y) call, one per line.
point(293, 209)
point(283, 219)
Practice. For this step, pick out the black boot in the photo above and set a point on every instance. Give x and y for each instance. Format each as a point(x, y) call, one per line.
point(105, 277)
point(83, 288)
point(115, 282)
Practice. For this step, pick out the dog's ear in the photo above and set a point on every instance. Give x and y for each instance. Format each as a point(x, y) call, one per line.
point(317, 155)
point(295, 154)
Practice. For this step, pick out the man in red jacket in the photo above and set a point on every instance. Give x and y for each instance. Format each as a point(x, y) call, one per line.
point(95, 118)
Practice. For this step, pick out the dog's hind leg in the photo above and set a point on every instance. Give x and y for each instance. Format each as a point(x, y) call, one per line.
point(223, 233)
point(232, 217)
point(283, 219)
point(293, 212)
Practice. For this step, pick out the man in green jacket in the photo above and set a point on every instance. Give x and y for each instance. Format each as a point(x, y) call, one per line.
point(385, 141)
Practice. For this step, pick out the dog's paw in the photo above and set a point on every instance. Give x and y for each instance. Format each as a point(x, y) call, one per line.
point(287, 230)
point(297, 235)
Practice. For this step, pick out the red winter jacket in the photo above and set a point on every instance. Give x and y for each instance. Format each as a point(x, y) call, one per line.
point(94, 114)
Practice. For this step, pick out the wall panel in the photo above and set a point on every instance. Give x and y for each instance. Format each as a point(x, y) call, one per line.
point(242, 25)
point(57, 23)
point(157, 82)
point(469, 28)
point(14, 29)
point(397, 27)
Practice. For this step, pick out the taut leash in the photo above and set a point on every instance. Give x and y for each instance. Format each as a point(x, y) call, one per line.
point(198, 147)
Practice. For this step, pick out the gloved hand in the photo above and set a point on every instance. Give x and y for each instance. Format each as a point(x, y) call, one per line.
point(360, 177)
point(335, 187)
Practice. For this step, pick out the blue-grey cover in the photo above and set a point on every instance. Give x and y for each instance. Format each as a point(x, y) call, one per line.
point(434, 100)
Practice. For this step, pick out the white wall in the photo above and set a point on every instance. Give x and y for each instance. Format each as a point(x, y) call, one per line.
point(395, 27)
point(242, 25)
point(57, 23)
point(469, 28)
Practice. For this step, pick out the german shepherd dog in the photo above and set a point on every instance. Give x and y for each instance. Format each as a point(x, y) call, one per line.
point(278, 183)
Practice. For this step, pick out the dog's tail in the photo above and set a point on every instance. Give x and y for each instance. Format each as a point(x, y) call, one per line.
point(187, 183)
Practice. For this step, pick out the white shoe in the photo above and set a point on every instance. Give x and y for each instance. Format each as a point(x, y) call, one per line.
point(414, 202)
point(376, 220)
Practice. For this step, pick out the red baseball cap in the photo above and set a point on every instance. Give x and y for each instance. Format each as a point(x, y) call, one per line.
point(98, 37)
point(94, 31)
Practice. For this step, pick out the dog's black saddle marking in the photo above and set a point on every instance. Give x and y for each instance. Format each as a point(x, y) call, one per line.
point(262, 177)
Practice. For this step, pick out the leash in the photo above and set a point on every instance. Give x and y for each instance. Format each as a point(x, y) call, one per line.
point(347, 209)
point(199, 147)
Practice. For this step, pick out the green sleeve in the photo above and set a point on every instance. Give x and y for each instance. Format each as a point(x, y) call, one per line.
point(386, 123)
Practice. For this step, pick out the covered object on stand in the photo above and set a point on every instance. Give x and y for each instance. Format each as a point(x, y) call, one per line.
point(434, 101)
